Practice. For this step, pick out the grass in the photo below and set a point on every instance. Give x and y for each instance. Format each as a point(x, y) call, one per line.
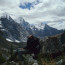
point(46, 60)
point(2, 59)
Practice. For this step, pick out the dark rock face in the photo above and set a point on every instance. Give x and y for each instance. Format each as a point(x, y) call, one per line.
point(52, 45)
point(13, 30)
point(49, 31)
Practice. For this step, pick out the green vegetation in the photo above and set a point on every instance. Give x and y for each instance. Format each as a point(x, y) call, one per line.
point(43, 59)
point(2, 59)
point(11, 51)
point(4, 43)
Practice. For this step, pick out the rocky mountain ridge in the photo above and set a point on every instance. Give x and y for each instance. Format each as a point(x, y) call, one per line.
point(13, 30)
point(39, 30)
point(18, 32)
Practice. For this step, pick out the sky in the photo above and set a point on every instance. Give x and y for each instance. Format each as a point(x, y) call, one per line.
point(51, 12)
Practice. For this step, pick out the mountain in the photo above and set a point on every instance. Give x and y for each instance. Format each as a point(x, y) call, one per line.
point(18, 30)
point(12, 31)
point(39, 30)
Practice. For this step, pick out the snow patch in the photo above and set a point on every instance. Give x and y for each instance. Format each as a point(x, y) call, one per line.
point(5, 15)
point(12, 41)
point(0, 26)
point(9, 40)
point(17, 41)
point(0, 22)
point(40, 26)
point(19, 20)
point(32, 27)
point(3, 29)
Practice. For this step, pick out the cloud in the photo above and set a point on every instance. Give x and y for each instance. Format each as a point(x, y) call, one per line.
point(58, 25)
point(26, 1)
point(49, 11)
point(9, 3)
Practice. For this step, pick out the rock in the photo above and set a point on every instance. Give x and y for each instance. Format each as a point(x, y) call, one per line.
point(10, 63)
point(35, 64)
point(29, 59)
point(52, 45)
point(60, 62)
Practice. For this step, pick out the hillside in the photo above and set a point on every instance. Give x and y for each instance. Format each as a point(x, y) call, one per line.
point(52, 50)
point(4, 43)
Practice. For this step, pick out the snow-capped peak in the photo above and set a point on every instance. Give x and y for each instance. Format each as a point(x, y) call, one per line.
point(40, 26)
point(32, 26)
point(5, 15)
point(19, 19)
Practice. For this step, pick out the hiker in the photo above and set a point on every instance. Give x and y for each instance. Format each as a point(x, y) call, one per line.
point(33, 47)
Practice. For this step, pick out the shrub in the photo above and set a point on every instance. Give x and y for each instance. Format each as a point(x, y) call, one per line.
point(2, 59)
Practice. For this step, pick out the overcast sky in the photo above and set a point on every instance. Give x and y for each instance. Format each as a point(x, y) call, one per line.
point(51, 12)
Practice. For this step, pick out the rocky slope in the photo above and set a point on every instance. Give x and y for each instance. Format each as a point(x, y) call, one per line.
point(54, 44)
point(4, 44)
point(12, 30)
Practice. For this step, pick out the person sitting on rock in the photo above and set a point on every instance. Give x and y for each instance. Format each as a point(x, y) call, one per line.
point(33, 45)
